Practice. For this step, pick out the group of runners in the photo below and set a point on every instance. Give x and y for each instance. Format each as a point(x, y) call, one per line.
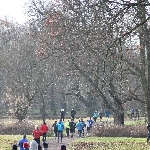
point(70, 127)
point(35, 144)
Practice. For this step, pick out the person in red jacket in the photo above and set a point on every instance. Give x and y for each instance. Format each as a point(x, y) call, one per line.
point(44, 129)
point(36, 134)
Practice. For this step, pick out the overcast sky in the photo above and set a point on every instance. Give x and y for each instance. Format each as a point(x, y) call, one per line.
point(13, 10)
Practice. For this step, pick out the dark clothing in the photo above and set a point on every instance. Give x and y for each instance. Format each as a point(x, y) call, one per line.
point(73, 112)
point(132, 113)
point(67, 132)
point(94, 118)
point(101, 114)
point(148, 128)
point(137, 113)
point(88, 128)
point(44, 137)
point(84, 125)
point(37, 140)
point(55, 126)
point(62, 115)
point(90, 122)
point(72, 126)
point(60, 135)
point(72, 130)
point(79, 132)
point(55, 129)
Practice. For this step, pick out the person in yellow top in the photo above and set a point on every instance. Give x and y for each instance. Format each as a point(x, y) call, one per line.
point(67, 128)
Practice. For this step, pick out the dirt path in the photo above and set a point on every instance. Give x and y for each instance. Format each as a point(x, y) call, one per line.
point(54, 145)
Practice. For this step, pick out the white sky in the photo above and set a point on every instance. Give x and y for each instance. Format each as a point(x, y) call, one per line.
point(13, 10)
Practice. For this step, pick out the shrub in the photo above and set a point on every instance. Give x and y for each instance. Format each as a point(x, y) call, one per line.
point(16, 128)
point(111, 130)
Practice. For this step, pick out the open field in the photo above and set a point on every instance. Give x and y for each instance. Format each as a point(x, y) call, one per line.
point(6, 141)
point(100, 143)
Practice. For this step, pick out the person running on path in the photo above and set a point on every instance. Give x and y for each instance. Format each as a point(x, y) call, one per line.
point(14, 147)
point(84, 125)
point(107, 114)
point(79, 126)
point(73, 113)
point(33, 145)
point(72, 126)
point(67, 128)
point(23, 143)
point(39, 147)
point(91, 122)
point(88, 126)
point(36, 134)
point(95, 115)
point(44, 130)
point(45, 146)
point(62, 114)
point(63, 147)
point(54, 126)
point(132, 112)
point(60, 128)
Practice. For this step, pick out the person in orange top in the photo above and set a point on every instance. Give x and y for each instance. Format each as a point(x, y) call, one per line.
point(44, 129)
point(36, 134)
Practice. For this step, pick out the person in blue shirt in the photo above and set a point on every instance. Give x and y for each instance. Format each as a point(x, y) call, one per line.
point(90, 122)
point(60, 128)
point(23, 142)
point(79, 127)
point(95, 115)
point(132, 112)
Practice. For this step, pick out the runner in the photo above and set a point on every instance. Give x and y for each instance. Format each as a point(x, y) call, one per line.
point(54, 126)
point(60, 128)
point(72, 128)
point(44, 130)
point(67, 128)
point(73, 113)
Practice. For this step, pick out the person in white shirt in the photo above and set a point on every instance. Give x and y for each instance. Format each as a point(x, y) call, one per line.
point(87, 126)
point(33, 145)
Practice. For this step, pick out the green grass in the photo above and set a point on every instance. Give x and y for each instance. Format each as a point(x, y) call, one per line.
point(135, 122)
point(6, 141)
point(106, 143)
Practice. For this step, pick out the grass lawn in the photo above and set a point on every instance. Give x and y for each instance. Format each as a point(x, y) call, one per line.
point(106, 143)
point(6, 141)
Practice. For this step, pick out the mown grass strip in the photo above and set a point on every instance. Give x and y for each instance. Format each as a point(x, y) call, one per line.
point(106, 143)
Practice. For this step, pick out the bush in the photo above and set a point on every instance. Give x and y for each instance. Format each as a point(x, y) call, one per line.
point(16, 128)
point(111, 130)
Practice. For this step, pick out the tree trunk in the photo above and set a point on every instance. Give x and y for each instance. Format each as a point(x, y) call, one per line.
point(144, 55)
point(119, 118)
point(43, 109)
point(21, 113)
point(53, 106)
point(63, 101)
